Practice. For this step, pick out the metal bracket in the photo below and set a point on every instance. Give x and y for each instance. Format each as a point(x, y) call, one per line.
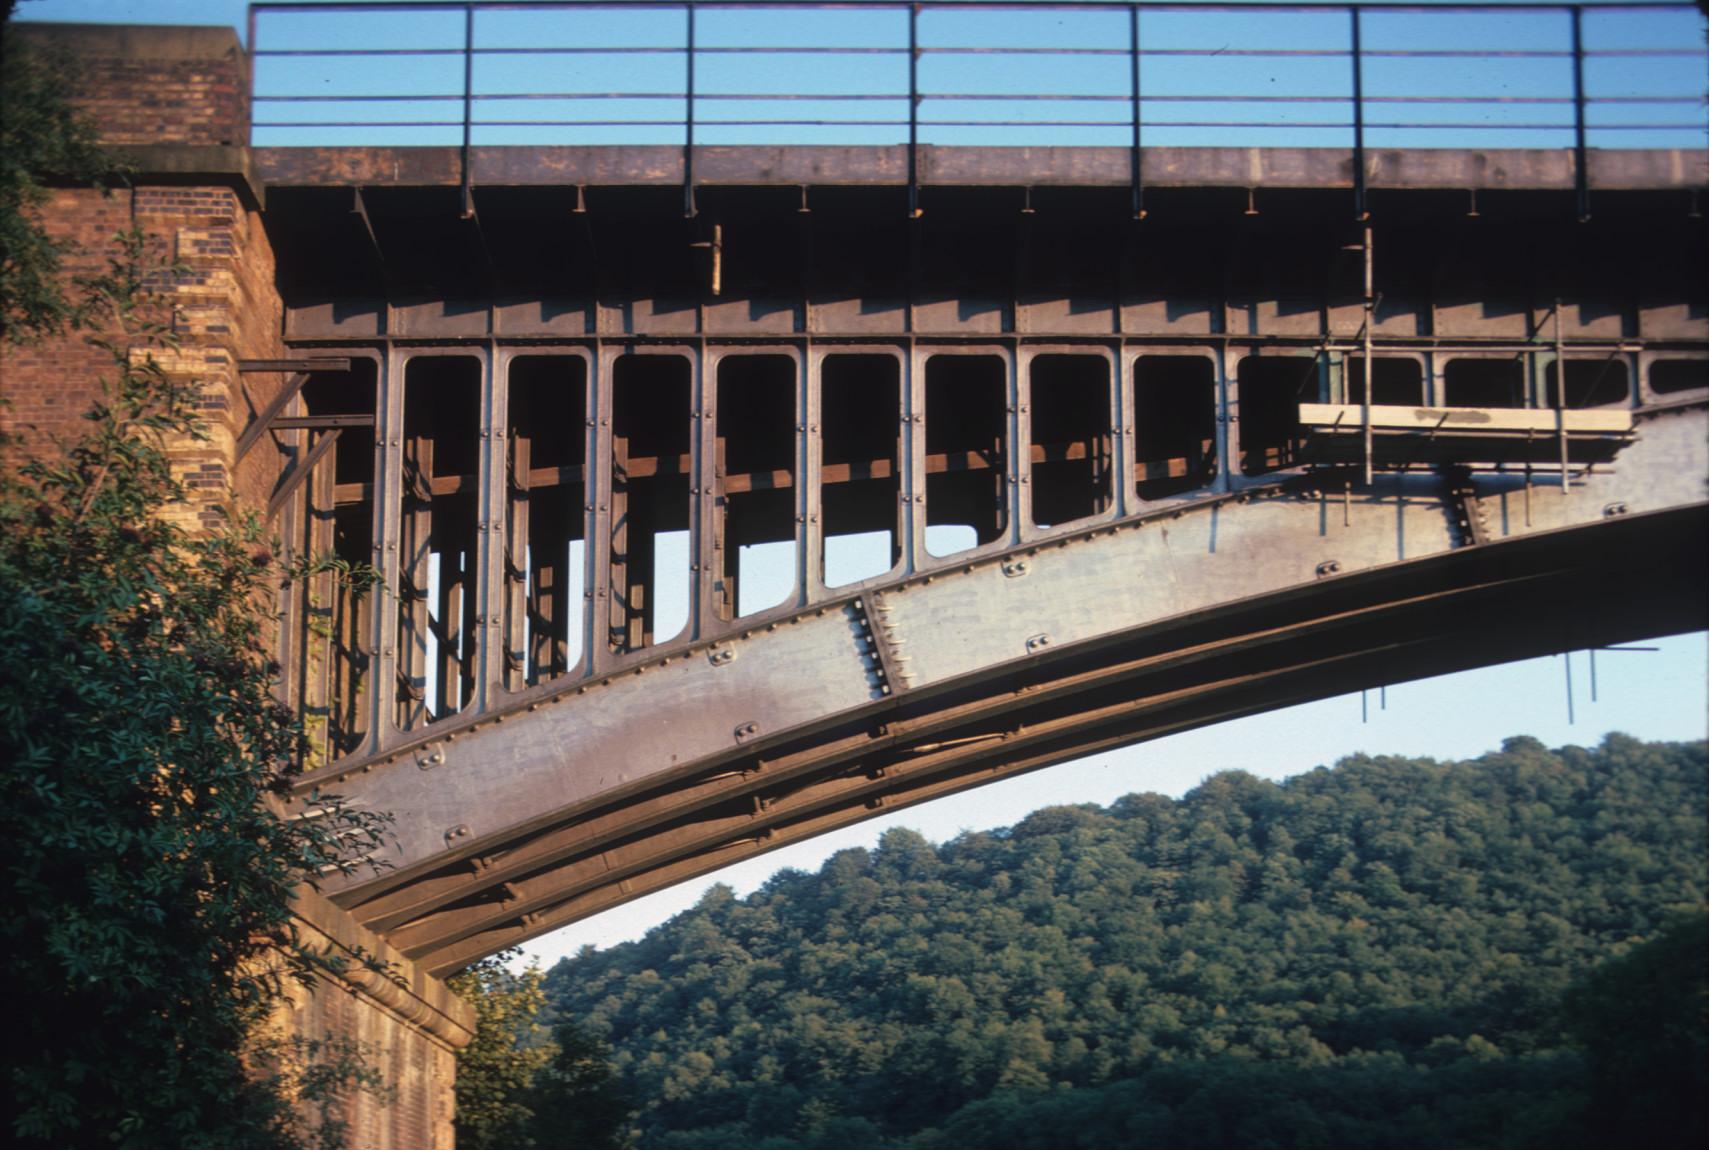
point(299, 370)
point(328, 363)
point(429, 755)
point(891, 677)
point(746, 732)
point(1468, 511)
point(1328, 567)
point(722, 657)
point(1038, 643)
point(1015, 568)
point(716, 246)
point(460, 831)
point(256, 430)
point(359, 208)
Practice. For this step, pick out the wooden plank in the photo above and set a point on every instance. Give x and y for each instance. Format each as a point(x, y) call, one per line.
point(1321, 417)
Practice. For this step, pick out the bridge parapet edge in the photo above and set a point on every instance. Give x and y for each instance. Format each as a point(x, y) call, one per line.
point(973, 166)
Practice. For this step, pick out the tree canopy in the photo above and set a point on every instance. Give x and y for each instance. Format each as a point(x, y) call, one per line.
point(1392, 952)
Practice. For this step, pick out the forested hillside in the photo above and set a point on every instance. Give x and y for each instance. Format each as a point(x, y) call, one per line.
point(1392, 952)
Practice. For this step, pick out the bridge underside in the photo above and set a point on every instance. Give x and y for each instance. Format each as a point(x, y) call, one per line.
point(1104, 479)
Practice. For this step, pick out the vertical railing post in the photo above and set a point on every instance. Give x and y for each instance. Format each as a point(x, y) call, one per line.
point(1137, 172)
point(1360, 212)
point(254, 85)
point(1581, 166)
point(913, 111)
point(688, 209)
point(468, 106)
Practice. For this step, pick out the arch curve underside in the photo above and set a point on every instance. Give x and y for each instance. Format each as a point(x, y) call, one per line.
point(577, 796)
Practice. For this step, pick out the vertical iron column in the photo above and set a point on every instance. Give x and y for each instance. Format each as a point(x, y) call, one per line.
point(487, 552)
point(688, 209)
point(1137, 163)
point(1581, 166)
point(1561, 396)
point(468, 105)
point(1359, 210)
point(518, 662)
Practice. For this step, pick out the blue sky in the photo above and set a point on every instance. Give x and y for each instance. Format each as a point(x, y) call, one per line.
point(1522, 102)
point(1659, 694)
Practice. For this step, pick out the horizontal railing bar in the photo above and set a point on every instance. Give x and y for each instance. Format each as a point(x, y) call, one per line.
point(925, 50)
point(1305, 125)
point(1675, 127)
point(984, 97)
point(924, 123)
point(1408, 6)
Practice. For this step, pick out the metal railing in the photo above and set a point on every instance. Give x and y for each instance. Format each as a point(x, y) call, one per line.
point(983, 71)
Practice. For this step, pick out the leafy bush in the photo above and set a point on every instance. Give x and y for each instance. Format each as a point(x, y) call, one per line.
point(149, 930)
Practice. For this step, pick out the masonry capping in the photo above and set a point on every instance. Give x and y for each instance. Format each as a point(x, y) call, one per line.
point(137, 41)
point(403, 989)
point(192, 165)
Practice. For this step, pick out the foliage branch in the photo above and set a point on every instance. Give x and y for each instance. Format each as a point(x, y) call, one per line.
point(496, 1069)
point(522, 1087)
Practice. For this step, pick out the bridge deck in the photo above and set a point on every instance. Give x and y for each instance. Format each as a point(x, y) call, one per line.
point(974, 166)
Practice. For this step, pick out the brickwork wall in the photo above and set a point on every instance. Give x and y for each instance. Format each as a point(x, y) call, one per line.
point(162, 85)
point(225, 308)
point(215, 289)
point(157, 84)
point(48, 386)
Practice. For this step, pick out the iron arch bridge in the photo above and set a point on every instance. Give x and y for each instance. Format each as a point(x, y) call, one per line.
point(858, 475)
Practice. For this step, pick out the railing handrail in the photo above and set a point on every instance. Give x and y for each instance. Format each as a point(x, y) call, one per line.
point(965, 106)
